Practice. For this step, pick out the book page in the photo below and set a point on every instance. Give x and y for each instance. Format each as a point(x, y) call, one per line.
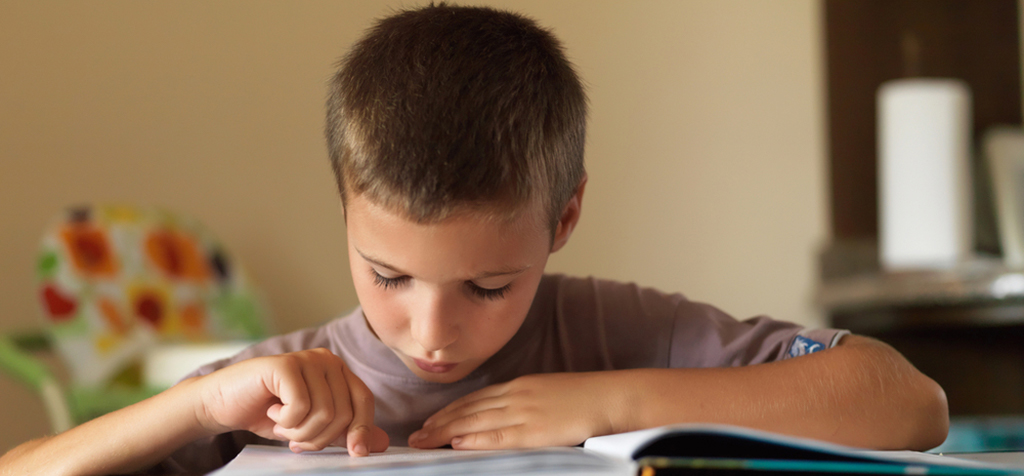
point(257, 460)
point(625, 445)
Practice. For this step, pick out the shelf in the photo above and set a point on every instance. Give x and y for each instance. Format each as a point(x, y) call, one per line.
point(982, 282)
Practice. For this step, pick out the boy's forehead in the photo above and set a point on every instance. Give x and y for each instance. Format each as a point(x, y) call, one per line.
point(467, 244)
point(529, 218)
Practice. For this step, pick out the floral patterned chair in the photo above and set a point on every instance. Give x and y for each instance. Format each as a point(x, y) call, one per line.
point(114, 282)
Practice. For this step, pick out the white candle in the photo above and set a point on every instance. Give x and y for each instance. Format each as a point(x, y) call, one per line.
point(924, 139)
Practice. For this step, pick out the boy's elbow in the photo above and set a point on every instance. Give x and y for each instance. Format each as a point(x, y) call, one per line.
point(931, 418)
point(916, 413)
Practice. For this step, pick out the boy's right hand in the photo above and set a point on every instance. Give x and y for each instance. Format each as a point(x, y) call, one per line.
point(308, 398)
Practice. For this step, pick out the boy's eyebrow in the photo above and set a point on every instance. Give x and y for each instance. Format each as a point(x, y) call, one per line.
point(488, 274)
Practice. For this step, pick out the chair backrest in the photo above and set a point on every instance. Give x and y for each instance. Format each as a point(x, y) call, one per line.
point(115, 279)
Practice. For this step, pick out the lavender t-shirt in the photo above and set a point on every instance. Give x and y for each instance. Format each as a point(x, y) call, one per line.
point(574, 325)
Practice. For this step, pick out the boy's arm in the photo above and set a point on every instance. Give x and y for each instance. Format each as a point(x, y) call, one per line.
point(860, 393)
point(130, 439)
point(308, 398)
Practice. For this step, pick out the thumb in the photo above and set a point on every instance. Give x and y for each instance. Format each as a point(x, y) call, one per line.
point(376, 439)
point(379, 440)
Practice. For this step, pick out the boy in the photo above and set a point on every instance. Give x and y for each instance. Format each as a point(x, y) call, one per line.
point(456, 137)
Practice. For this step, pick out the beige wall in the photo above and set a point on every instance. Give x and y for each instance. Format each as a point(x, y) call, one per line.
point(705, 150)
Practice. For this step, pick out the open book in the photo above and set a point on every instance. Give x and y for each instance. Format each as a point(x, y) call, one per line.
point(677, 449)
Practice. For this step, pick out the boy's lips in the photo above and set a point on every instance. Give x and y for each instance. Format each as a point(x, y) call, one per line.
point(434, 367)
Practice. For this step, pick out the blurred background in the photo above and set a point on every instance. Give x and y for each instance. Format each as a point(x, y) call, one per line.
point(708, 147)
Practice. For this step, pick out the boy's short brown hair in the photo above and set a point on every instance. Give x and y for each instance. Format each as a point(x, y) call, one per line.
point(447, 108)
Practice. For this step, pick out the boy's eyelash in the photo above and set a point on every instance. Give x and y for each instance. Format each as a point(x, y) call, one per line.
point(387, 283)
point(492, 294)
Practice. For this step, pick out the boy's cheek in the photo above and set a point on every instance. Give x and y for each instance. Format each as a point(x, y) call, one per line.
point(379, 313)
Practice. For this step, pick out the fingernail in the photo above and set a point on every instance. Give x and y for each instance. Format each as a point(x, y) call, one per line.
point(360, 449)
point(456, 441)
point(419, 435)
point(429, 423)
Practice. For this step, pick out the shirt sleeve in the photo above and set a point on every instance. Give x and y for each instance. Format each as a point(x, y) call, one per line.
point(604, 325)
point(705, 336)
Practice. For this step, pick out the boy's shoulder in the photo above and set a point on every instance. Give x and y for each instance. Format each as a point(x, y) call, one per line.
point(629, 317)
point(589, 298)
point(601, 288)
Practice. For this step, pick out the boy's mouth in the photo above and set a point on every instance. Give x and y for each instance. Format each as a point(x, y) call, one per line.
point(434, 367)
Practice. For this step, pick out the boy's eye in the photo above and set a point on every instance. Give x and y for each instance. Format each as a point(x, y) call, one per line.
point(388, 282)
point(492, 294)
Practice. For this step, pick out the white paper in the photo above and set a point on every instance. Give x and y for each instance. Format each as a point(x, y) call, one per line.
point(256, 460)
point(605, 455)
point(1004, 151)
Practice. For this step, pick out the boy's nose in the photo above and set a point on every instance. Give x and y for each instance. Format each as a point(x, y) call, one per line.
point(434, 328)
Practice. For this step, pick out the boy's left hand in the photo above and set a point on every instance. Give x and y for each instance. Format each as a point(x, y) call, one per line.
point(560, 409)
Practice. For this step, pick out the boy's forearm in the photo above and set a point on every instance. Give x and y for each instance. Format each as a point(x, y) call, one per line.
point(862, 393)
point(127, 440)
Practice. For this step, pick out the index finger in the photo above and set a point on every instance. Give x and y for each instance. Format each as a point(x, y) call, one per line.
point(363, 437)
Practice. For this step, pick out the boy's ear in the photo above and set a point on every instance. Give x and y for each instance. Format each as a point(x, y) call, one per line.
point(570, 216)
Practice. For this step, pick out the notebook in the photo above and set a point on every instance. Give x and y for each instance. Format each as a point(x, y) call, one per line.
point(675, 449)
